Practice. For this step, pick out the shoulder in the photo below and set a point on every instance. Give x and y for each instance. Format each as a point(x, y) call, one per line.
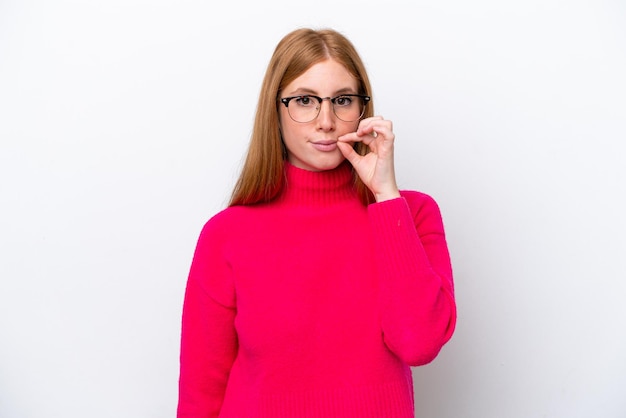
point(227, 221)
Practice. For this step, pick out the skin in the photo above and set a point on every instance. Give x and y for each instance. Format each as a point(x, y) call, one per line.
point(327, 141)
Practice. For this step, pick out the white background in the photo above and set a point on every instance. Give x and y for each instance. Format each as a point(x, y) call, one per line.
point(122, 127)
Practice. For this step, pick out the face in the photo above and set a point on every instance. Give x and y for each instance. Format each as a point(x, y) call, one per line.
point(313, 145)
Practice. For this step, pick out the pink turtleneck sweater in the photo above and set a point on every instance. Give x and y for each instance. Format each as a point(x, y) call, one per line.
point(314, 305)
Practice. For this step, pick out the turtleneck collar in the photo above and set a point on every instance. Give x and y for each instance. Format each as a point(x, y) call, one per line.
point(304, 187)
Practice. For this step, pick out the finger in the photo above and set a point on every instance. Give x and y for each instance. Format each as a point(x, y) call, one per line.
point(364, 133)
point(366, 126)
point(369, 139)
point(350, 137)
point(348, 152)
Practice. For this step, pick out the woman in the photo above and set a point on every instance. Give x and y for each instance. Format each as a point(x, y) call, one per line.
point(319, 286)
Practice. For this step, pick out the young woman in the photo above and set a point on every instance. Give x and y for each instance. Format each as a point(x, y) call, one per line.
point(319, 286)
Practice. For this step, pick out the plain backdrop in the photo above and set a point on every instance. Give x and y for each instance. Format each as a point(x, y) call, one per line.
point(122, 129)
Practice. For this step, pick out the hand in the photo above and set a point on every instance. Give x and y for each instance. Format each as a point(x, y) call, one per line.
point(376, 168)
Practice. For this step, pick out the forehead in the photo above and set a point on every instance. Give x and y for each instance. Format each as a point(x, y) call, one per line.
point(325, 77)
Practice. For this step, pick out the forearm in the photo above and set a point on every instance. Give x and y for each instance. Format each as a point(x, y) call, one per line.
point(418, 311)
point(208, 349)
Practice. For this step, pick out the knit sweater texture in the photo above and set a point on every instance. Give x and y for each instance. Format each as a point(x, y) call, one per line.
point(315, 305)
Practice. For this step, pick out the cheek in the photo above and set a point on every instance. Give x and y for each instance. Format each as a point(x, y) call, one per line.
point(284, 122)
point(347, 127)
point(289, 132)
point(287, 126)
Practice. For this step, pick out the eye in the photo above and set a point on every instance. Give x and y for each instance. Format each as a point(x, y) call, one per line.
point(343, 101)
point(305, 101)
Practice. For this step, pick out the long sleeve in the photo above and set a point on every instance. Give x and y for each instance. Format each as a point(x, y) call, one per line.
point(314, 304)
point(208, 337)
point(418, 310)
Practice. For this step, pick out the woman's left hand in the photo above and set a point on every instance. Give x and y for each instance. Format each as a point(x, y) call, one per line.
point(376, 168)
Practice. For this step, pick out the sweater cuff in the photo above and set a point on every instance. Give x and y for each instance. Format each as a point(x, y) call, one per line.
point(395, 234)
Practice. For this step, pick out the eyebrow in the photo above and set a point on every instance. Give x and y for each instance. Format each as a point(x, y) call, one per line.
point(307, 91)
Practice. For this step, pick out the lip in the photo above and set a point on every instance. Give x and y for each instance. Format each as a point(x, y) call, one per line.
point(325, 145)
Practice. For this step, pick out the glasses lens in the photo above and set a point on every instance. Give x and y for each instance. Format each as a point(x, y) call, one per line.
point(303, 109)
point(349, 108)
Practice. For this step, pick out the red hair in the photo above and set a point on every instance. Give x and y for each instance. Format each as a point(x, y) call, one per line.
point(262, 175)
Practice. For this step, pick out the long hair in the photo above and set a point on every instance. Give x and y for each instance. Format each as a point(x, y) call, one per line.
point(262, 176)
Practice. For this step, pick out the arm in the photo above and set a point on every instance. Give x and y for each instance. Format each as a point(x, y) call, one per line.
point(418, 311)
point(208, 337)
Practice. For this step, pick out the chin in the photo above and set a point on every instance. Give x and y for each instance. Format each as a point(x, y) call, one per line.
point(330, 164)
point(317, 161)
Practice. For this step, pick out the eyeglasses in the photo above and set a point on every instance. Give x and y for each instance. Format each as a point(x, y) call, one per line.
point(305, 108)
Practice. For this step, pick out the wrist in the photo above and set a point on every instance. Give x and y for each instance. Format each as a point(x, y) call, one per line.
point(388, 195)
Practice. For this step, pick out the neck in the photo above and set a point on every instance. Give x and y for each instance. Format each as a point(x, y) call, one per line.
point(305, 187)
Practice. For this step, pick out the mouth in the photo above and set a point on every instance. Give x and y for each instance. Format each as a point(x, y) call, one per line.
point(325, 145)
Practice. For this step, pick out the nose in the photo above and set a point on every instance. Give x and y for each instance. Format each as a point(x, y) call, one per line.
point(326, 117)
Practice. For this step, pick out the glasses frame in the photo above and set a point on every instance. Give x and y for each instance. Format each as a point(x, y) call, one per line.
point(286, 100)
